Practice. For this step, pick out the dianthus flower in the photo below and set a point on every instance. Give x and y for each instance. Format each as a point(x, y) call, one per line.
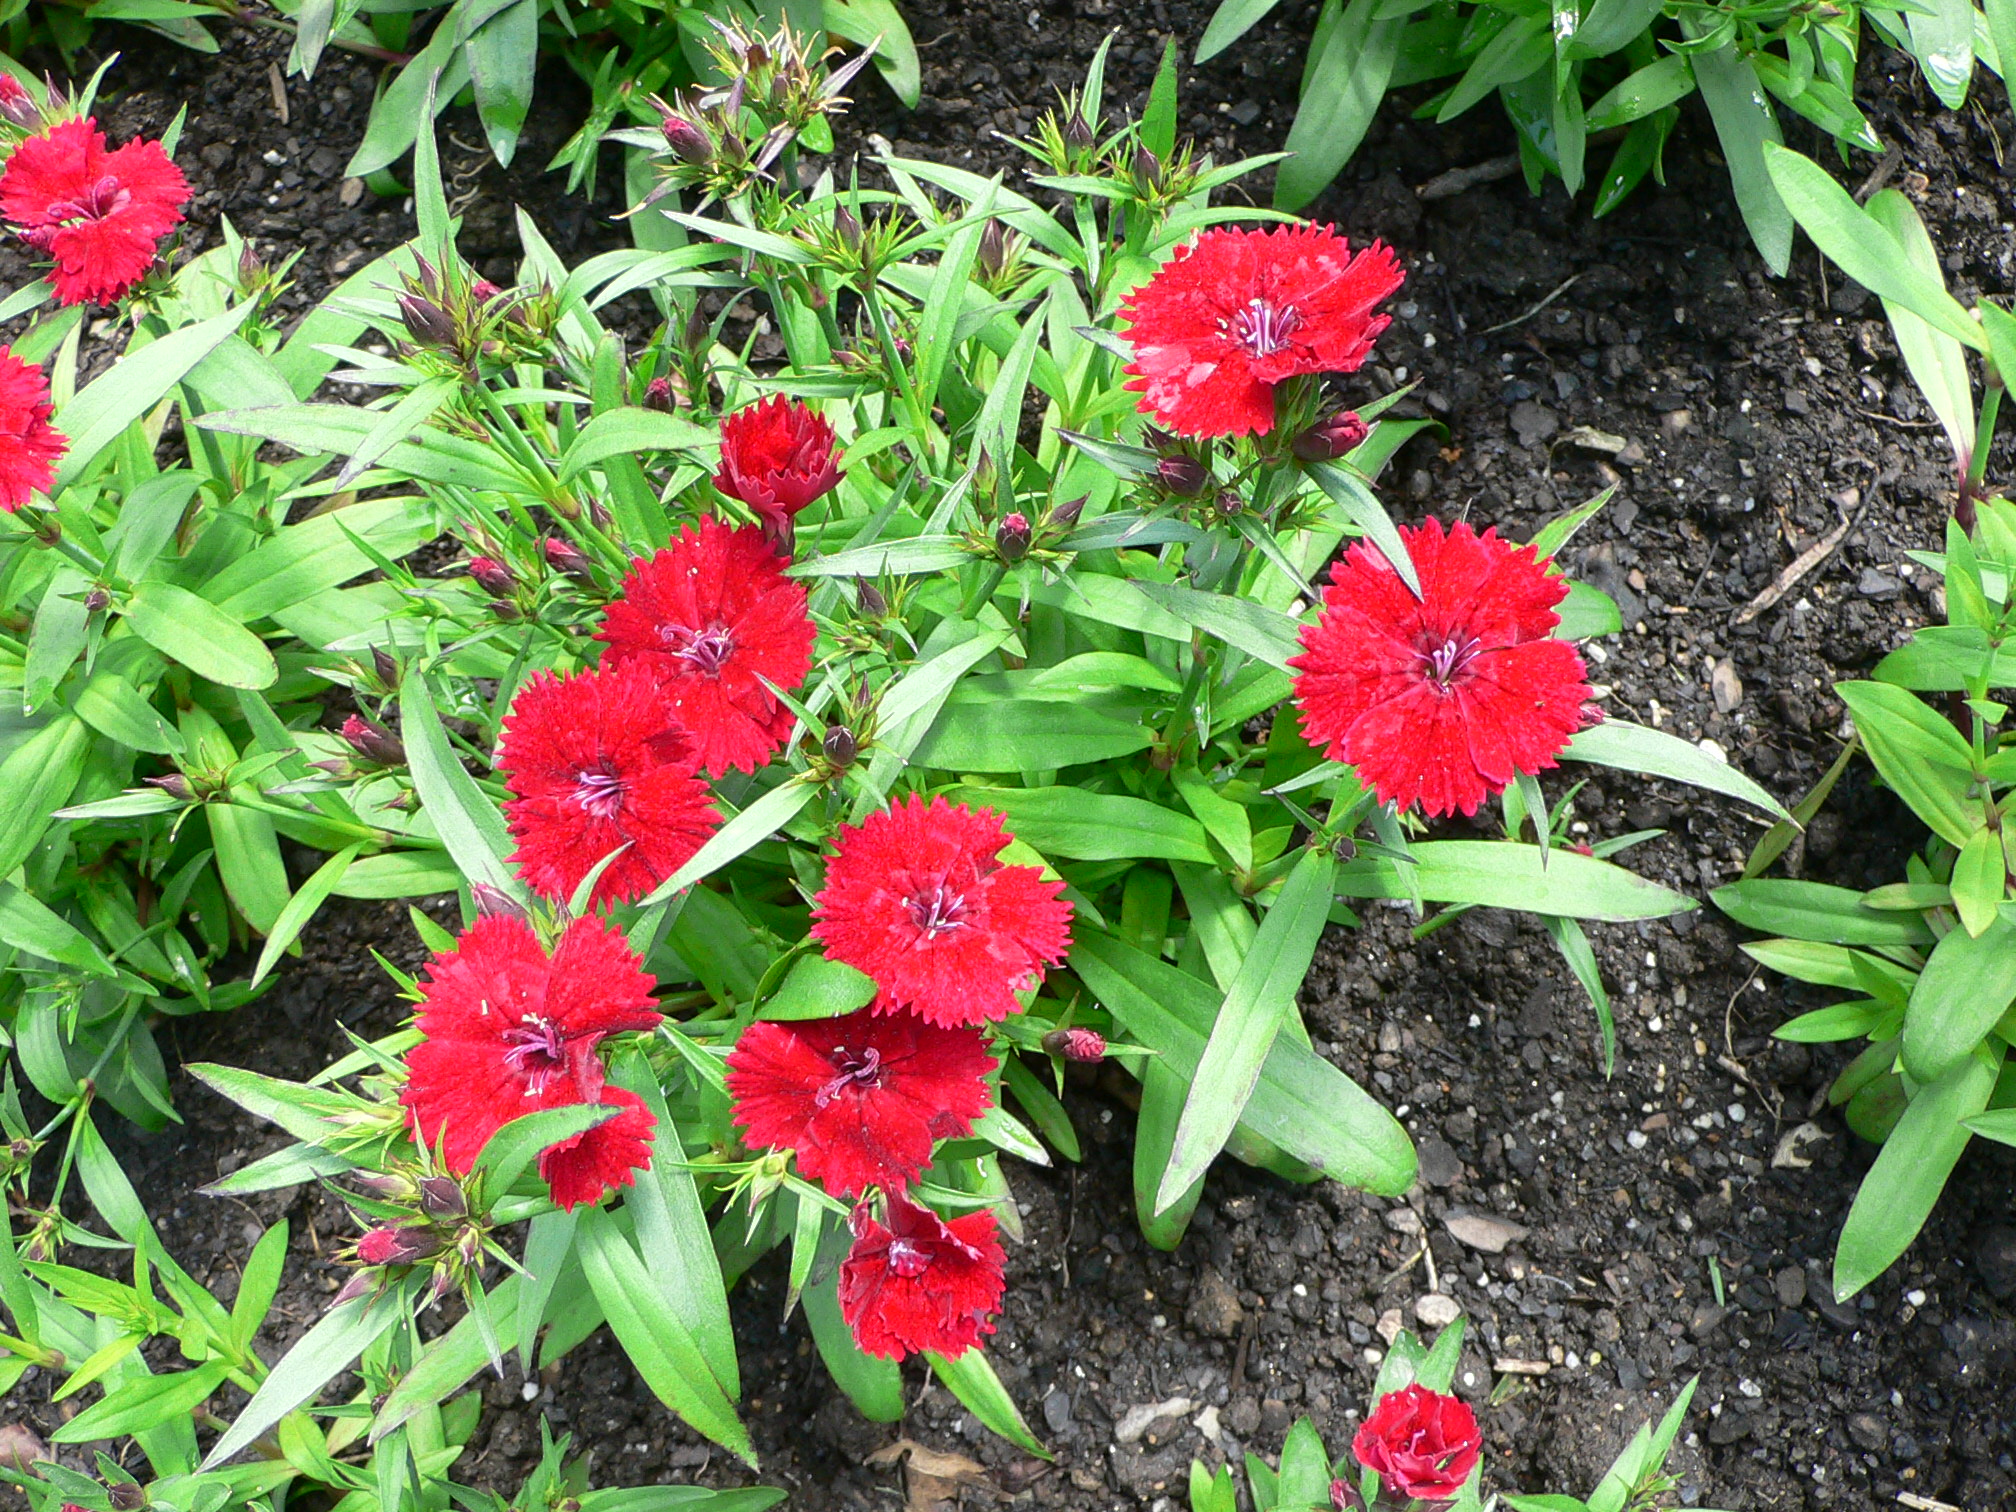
point(1420, 1443)
point(713, 615)
point(860, 1099)
point(30, 446)
point(508, 1030)
point(1236, 312)
point(100, 215)
point(597, 761)
point(777, 457)
point(1441, 700)
point(922, 1282)
point(915, 898)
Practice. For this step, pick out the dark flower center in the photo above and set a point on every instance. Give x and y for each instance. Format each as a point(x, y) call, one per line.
point(106, 197)
point(705, 651)
point(1264, 330)
point(853, 1068)
point(537, 1051)
point(599, 792)
point(907, 1257)
point(939, 910)
point(1446, 660)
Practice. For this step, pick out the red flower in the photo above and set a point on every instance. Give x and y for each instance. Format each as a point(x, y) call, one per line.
point(597, 761)
point(30, 446)
point(1235, 312)
point(509, 1031)
point(860, 1099)
point(777, 457)
point(713, 615)
point(1441, 700)
point(99, 214)
point(1421, 1443)
point(921, 1283)
point(915, 898)
point(387, 1245)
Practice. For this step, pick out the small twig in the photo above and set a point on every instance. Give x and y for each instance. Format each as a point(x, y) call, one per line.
point(1808, 559)
point(1923, 1503)
point(1506, 325)
point(279, 87)
point(1898, 420)
point(1880, 174)
point(1456, 180)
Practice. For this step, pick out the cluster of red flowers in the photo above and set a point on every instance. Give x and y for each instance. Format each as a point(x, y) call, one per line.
point(917, 899)
point(97, 213)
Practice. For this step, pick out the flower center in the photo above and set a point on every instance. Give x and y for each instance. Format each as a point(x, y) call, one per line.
point(1449, 658)
point(106, 197)
point(1262, 329)
point(599, 793)
point(908, 1258)
point(853, 1068)
point(705, 651)
point(538, 1052)
point(938, 911)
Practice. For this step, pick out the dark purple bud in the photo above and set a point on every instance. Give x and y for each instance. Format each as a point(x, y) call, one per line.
point(1343, 847)
point(840, 746)
point(441, 1197)
point(387, 668)
point(1078, 133)
point(492, 576)
point(688, 142)
point(175, 785)
point(427, 322)
point(1011, 537)
point(658, 396)
point(251, 267)
point(1147, 168)
point(1344, 1497)
point(1327, 440)
point(1229, 503)
point(495, 903)
point(847, 226)
point(126, 1496)
point(17, 106)
point(1065, 515)
point(1087, 1046)
point(359, 1283)
point(699, 331)
point(505, 610)
point(373, 741)
point(993, 248)
point(873, 603)
point(563, 555)
point(1183, 474)
point(96, 600)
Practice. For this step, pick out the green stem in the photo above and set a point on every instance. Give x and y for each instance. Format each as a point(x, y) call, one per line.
point(983, 590)
point(1984, 437)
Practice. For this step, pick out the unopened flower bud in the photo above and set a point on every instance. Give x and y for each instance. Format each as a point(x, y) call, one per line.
point(993, 254)
point(1065, 515)
point(1343, 847)
point(1330, 439)
point(19, 1150)
point(658, 396)
point(425, 320)
point(1182, 474)
point(1011, 537)
point(383, 1184)
point(847, 226)
point(386, 666)
point(390, 1245)
point(1078, 133)
point(469, 1246)
point(1147, 168)
point(1344, 1497)
point(495, 903)
point(1086, 1046)
point(251, 266)
point(17, 106)
point(872, 602)
point(96, 600)
point(492, 576)
point(505, 610)
point(840, 746)
point(126, 1496)
point(1229, 503)
point(373, 741)
point(441, 1197)
point(175, 785)
point(699, 331)
point(359, 1283)
point(688, 142)
point(563, 555)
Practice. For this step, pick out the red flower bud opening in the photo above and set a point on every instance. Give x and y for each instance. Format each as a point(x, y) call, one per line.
point(1330, 439)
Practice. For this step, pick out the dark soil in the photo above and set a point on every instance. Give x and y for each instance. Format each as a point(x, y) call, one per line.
point(1653, 1234)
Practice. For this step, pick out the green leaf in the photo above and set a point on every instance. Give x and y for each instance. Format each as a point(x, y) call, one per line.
point(1259, 1000)
point(100, 412)
point(1522, 46)
point(1919, 754)
point(880, 24)
point(502, 54)
point(1897, 1195)
point(1999, 1125)
point(1560, 530)
point(507, 1153)
point(1967, 985)
point(918, 554)
point(199, 635)
point(972, 1380)
point(874, 1386)
point(320, 553)
point(36, 779)
point(621, 432)
point(434, 456)
point(300, 908)
point(1301, 1103)
point(1863, 249)
point(30, 925)
point(1747, 129)
point(1499, 874)
point(1942, 40)
point(1979, 880)
point(1815, 911)
point(1937, 363)
point(1260, 632)
point(1229, 22)
point(1639, 748)
point(143, 1403)
point(470, 825)
point(746, 830)
point(1349, 492)
point(317, 1358)
point(817, 988)
point(990, 734)
point(1666, 81)
point(1068, 823)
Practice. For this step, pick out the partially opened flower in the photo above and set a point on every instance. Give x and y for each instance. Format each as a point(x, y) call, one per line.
point(99, 214)
point(1445, 699)
point(30, 447)
point(777, 457)
point(916, 898)
point(859, 1099)
point(595, 762)
point(1235, 312)
point(507, 1030)
point(1421, 1444)
point(922, 1282)
point(713, 615)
